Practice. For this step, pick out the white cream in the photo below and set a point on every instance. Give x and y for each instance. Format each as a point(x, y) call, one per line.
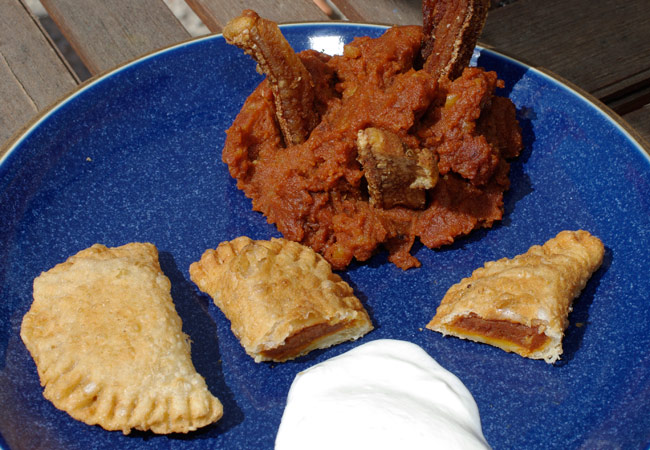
point(385, 394)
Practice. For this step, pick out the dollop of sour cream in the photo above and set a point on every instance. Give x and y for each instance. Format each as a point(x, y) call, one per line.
point(386, 394)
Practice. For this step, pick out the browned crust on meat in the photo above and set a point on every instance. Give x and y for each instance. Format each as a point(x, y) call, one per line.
point(291, 83)
point(396, 174)
point(451, 30)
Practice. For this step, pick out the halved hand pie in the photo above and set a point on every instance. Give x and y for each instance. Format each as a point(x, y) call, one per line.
point(521, 305)
point(281, 297)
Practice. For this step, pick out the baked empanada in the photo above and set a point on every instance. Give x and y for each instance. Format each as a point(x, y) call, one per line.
point(521, 305)
point(109, 346)
point(282, 298)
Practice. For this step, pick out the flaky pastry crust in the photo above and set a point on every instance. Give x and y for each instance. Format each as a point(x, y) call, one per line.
point(282, 298)
point(532, 292)
point(109, 346)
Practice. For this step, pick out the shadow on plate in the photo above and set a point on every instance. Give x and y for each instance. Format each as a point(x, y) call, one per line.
point(579, 317)
point(199, 326)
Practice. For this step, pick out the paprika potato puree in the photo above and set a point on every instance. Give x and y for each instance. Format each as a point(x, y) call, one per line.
point(316, 192)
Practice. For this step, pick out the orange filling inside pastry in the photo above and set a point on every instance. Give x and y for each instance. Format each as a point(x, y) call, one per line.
point(298, 342)
point(501, 333)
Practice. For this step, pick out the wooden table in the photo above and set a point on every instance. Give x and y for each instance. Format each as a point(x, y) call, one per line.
point(600, 46)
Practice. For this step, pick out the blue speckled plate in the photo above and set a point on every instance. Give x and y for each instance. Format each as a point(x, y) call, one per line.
point(136, 156)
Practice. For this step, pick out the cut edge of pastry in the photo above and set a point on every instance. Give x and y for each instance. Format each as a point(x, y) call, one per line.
point(315, 337)
point(298, 336)
point(530, 337)
point(534, 341)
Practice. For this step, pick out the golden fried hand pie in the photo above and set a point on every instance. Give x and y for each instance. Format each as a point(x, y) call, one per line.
point(281, 297)
point(109, 346)
point(521, 305)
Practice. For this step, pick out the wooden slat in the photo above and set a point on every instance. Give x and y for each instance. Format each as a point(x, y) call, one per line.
point(216, 13)
point(601, 46)
point(17, 107)
point(611, 61)
point(106, 33)
point(630, 99)
point(640, 121)
point(391, 12)
point(32, 72)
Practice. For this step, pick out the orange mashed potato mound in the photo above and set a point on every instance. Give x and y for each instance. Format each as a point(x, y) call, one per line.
point(316, 193)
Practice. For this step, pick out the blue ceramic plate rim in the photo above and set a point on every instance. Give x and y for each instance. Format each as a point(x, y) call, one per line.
point(549, 76)
point(576, 94)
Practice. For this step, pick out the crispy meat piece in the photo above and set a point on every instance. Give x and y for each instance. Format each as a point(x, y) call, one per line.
point(396, 174)
point(291, 83)
point(451, 30)
point(317, 193)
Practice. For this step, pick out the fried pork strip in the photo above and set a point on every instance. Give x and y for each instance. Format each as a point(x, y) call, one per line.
point(451, 29)
point(290, 81)
point(396, 174)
